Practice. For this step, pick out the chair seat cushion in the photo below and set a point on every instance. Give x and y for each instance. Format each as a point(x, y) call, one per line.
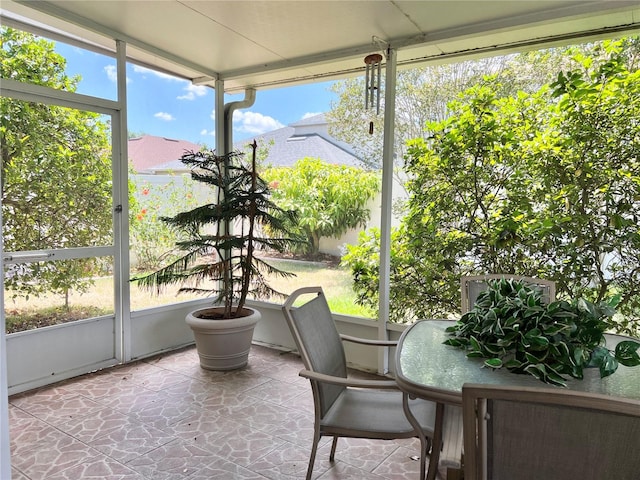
point(376, 414)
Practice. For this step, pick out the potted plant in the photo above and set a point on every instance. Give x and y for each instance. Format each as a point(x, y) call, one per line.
point(217, 255)
point(511, 327)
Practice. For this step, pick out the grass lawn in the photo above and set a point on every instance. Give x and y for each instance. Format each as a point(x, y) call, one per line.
point(335, 281)
point(23, 314)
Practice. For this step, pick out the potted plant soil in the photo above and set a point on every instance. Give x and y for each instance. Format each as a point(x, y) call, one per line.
point(217, 256)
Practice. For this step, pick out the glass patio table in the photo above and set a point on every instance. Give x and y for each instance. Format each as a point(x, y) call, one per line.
point(430, 370)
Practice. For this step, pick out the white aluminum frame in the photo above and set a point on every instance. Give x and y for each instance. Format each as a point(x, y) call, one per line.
point(59, 344)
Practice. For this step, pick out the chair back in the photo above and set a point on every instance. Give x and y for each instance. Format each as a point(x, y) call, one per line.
point(550, 434)
point(472, 285)
point(318, 342)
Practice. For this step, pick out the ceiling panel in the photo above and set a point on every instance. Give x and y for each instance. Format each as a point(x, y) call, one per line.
point(263, 43)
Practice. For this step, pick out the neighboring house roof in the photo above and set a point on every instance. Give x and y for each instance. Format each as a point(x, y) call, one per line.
point(306, 138)
point(148, 152)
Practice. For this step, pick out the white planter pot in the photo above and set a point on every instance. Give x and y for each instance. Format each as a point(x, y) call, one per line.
point(223, 344)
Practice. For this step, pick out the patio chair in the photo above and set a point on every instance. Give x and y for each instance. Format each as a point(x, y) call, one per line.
point(344, 406)
point(551, 434)
point(472, 285)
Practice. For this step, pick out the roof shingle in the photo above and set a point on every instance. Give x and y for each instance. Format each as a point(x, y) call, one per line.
point(148, 151)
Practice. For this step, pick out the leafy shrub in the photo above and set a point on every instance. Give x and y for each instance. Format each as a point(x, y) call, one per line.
point(152, 240)
point(328, 199)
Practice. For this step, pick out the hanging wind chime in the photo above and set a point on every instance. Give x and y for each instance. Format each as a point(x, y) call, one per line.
point(373, 64)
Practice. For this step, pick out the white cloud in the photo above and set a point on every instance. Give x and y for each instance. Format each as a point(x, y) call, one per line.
point(144, 70)
point(310, 114)
point(254, 123)
point(112, 73)
point(167, 117)
point(193, 91)
point(204, 131)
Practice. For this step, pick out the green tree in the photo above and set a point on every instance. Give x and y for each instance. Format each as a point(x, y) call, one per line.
point(544, 184)
point(56, 172)
point(423, 95)
point(457, 186)
point(588, 163)
point(329, 199)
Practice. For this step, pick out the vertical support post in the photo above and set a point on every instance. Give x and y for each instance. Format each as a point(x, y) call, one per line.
point(120, 174)
point(220, 125)
point(387, 197)
point(220, 128)
point(5, 453)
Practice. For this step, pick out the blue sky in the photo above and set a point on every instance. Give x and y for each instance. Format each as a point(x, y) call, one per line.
point(170, 107)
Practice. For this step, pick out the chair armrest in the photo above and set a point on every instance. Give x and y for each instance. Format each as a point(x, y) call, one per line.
point(348, 382)
point(367, 341)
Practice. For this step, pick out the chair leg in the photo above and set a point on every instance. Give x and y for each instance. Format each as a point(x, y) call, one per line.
point(426, 444)
point(436, 444)
point(334, 444)
point(312, 458)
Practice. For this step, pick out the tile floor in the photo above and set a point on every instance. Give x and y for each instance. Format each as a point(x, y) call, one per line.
point(165, 418)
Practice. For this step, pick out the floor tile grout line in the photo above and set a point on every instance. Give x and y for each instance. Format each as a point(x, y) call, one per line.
point(241, 383)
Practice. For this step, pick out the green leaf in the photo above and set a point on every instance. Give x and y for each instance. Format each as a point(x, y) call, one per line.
point(554, 377)
point(507, 340)
point(513, 364)
point(577, 372)
point(494, 350)
point(579, 356)
point(608, 366)
point(537, 371)
point(475, 345)
point(597, 357)
point(627, 353)
point(534, 332)
point(531, 358)
point(475, 355)
point(539, 342)
point(540, 372)
point(561, 352)
point(554, 329)
point(556, 380)
point(493, 363)
point(614, 300)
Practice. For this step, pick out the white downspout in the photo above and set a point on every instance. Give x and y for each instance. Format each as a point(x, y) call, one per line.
point(387, 197)
point(220, 124)
point(224, 123)
point(229, 108)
